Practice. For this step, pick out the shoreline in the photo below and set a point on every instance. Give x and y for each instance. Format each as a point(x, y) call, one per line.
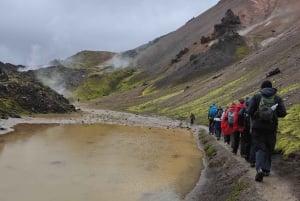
point(91, 116)
point(223, 177)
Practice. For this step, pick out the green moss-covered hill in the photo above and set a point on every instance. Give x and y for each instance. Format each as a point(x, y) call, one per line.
point(21, 93)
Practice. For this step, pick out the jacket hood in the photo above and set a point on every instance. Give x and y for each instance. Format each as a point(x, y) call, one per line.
point(267, 92)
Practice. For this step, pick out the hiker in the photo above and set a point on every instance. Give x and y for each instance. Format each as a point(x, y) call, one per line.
point(264, 108)
point(247, 147)
point(244, 119)
point(192, 118)
point(226, 128)
point(211, 115)
point(217, 123)
point(237, 127)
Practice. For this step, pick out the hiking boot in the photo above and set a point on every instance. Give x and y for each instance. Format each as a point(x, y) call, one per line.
point(259, 176)
point(266, 173)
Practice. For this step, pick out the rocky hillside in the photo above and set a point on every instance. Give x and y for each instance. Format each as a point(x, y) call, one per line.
point(21, 93)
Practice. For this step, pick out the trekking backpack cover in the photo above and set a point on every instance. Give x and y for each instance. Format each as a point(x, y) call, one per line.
point(230, 118)
point(212, 111)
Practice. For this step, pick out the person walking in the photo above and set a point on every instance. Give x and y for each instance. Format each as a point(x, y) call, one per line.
point(217, 123)
point(192, 118)
point(264, 109)
point(212, 111)
point(227, 129)
point(237, 127)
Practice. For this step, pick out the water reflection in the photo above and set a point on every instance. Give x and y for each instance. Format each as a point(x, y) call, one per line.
point(97, 162)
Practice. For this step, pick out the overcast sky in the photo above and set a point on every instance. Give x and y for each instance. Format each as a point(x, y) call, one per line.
point(36, 31)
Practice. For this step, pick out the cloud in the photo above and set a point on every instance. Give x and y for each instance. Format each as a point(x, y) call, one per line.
point(35, 32)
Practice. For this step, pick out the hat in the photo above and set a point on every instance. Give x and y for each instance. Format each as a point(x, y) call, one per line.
point(266, 84)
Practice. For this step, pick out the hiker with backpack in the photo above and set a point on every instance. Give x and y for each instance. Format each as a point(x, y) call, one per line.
point(211, 115)
point(246, 150)
point(217, 123)
point(237, 125)
point(264, 108)
point(227, 123)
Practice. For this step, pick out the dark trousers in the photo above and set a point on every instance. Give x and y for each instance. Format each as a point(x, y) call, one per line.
point(235, 141)
point(252, 156)
point(246, 143)
point(264, 141)
point(211, 126)
point(227, 139)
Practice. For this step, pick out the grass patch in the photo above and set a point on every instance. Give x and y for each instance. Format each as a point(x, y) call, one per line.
point(241, 52)
point(99, 84)
point(149, 90)
point(288, 139)
point(153, 104)
point(210, 151)
point(289, 89)
point(237, 189)
point(12, 107)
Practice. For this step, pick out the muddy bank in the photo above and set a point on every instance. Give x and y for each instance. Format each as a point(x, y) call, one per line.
point(224, 178)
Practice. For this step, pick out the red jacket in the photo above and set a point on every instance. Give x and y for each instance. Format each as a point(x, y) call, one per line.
point(236, 126)
point(225, 127)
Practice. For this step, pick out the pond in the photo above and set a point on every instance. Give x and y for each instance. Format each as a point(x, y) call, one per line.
point(97, 162)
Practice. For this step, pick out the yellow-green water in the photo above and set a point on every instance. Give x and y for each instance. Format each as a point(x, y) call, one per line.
point(97, 163)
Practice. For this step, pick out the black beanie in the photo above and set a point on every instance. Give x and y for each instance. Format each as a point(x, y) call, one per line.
point(266, 84)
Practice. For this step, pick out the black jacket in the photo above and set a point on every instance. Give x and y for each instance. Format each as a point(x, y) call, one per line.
point(253, 107)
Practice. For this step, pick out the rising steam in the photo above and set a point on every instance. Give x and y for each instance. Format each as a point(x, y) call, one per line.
point(56, 82)
point(118, 61)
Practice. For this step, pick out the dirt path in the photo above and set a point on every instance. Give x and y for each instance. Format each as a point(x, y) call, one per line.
point(273, 188)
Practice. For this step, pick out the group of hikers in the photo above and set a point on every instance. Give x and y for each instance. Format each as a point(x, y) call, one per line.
point(250, 125)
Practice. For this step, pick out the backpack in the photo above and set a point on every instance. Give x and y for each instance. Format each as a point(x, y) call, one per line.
point(212, 111)
point(230, 118)
point(241, 117)
point(265, 113)
point(219, 113)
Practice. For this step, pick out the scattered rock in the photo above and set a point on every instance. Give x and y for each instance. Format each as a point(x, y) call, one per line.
point(273, 72)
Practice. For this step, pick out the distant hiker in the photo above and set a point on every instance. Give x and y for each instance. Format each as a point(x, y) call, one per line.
point(237, 128)
point(192, 118)
point(264, 108)
point(226, 128)
point(211, 115)
point(217, 123)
